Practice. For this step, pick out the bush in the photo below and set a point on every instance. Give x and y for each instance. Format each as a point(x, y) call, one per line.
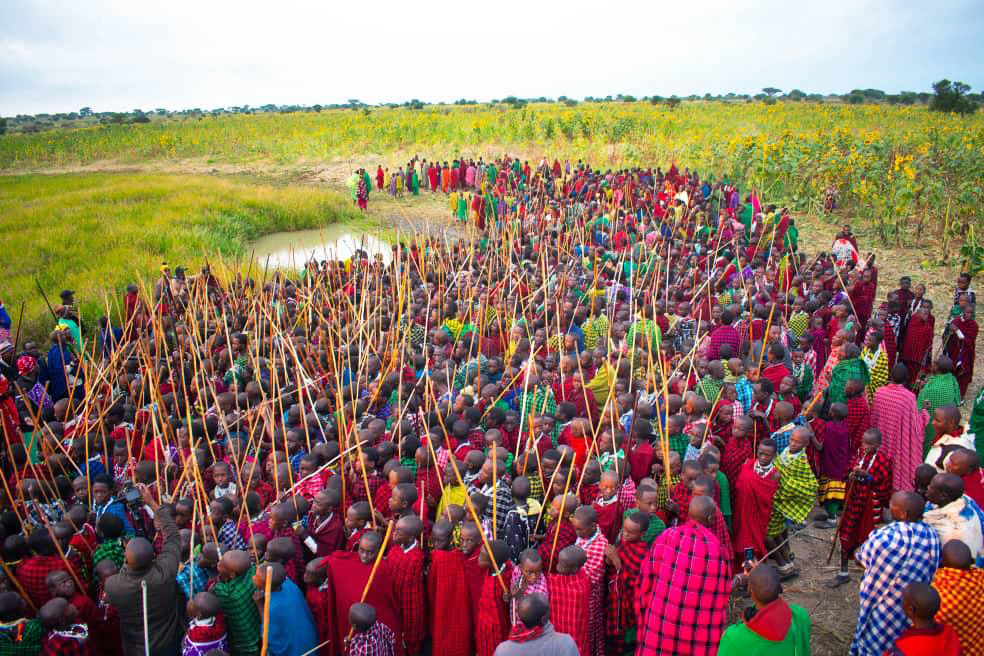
point(952, 97)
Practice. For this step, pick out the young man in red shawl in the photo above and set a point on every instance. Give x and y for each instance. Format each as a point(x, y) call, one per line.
point(318, 595)
point(858, 412)
point(961, 346)
point(357, 524)
point(492, 619)
point(623, 577)
point(918, 342)
point(570, 591)
point(672, 619)
point(869, 489)
point(325, 532)
point(561, 533)
point(755, 490)
point(607, 505)
point(594, 544)
point(406, 560)
point(965, 463)
point(448, 596)
point(349, 573)
point(705, 486)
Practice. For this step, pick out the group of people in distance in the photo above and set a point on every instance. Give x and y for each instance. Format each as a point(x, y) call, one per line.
point(595, 426)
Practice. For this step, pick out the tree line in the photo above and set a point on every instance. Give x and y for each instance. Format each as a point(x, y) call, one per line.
point(946, 96)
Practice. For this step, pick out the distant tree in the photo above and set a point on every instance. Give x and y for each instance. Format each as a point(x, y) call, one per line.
point(561, 98)
point(771, 91)
point(952, 97)
point(3, 125)
point(796, 95)
point(85, 111)
point(628, 98)
point(570, 102)
point(874, 94)
point(672, 101)
point(655, 99)
point(854, 98)
point(769, 100)
point(317, 108)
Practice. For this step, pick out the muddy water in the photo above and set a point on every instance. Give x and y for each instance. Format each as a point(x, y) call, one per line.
point(290, 250)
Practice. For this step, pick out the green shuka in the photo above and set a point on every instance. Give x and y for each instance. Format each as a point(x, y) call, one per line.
point(739, 640)
point(940, 389)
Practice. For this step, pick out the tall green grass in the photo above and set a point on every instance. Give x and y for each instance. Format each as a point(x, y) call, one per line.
point(95, 233)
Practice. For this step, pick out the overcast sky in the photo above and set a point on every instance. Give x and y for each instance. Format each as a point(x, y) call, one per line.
point(59, 56)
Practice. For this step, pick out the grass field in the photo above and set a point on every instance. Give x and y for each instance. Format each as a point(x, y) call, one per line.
point(95, 233)
point(907, 169)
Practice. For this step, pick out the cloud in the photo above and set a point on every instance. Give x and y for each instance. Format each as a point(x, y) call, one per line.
point(123, 55)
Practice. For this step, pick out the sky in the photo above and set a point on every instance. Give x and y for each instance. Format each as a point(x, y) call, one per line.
point(58, 56)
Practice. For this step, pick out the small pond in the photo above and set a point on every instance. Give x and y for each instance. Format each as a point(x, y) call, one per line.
point(290, 250)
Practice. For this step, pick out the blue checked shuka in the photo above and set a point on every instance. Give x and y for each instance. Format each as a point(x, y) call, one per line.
point(893, 556)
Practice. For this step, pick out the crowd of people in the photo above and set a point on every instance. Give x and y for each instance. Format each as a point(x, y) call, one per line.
point(595, 426)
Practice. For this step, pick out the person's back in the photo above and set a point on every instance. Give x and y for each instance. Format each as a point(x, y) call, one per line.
point(124, 590)
point(549, 643)
point(771, 626)
point(292, 630)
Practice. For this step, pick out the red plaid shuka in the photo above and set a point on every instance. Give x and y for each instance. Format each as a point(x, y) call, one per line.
point(916, 344)
point(84, 542)
point(566, 536)
point(32, 573)
point(753, 507)
point(428, 481)
point(569, 600)
point(681, 495)
point(588, 493)
point(621, 591)
point(408, 584)
point(357, 487)
point(672, 618)
point(381, 500)
point(736, 451)
point(319, 600)
point(609, 517)
point(594, 568)
point(858, 419)
point(450, 603)
point(328, 533)
point(492, 623)
point(865, 500)
point(71, 641)
point(352, 542)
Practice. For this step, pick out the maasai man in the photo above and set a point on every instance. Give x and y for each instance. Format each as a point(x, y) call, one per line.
point(902, 424)
point(569, 596)
point(291, 631)
point(407, 562)
point(960, 338)
point(447, 589)
point(595, 545)
point(755, 490)
point(926, 635)
point(492, 619)
point(868, 492)
point(349, 573)
point(961, 589)
point(905, 551)
point(622, 584)
point(953, 515)
point(772, 626)
point(671, 618)
point(941, 388)
point(795, 497)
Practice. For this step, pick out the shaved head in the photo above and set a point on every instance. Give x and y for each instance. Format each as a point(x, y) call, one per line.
point(139, 554)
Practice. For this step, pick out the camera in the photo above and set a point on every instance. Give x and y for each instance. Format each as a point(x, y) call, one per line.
point(131, 496)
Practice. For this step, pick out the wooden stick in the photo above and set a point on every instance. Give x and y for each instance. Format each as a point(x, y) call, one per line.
point(266, 610)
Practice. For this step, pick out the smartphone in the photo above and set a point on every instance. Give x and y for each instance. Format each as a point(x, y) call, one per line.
point(749, 554)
